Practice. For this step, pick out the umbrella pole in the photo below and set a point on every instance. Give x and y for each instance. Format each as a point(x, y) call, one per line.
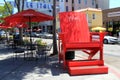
point(30, 30)
point(30, 36)
point(7, 37)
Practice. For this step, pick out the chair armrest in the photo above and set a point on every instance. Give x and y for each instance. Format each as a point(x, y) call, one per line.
point(99, 34)
point(61, 41)
point(60, 36)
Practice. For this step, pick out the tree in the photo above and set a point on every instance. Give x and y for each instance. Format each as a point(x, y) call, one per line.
point(4, 11)
point(20, 3)
point(54, 29)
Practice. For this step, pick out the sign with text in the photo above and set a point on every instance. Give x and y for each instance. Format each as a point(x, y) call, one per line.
point(34, 5)
point(113, 14)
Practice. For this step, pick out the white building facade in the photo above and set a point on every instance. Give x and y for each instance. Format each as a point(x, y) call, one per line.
point(45, 6)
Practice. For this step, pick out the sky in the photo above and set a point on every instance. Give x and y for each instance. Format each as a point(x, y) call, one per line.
point(113, 3)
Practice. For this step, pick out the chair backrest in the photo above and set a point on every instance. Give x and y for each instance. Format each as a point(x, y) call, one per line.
point(75, 27)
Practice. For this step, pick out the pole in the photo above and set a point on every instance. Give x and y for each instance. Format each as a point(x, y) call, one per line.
point(54, 29)
point(30, 32)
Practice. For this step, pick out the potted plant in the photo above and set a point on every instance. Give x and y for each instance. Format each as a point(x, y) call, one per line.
point(26, 41)
point(41, 44)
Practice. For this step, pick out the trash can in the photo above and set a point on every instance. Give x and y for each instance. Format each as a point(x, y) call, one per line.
point(70, 55)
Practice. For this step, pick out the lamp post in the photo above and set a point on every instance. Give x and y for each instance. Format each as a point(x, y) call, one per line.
point(54, 30)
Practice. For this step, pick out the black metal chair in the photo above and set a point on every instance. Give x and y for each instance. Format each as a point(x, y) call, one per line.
point(17, 52)
point(44, 50)
point(30, 51)
point(49, 47)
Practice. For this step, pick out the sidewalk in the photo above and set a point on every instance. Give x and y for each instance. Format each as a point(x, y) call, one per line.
point(19, 69)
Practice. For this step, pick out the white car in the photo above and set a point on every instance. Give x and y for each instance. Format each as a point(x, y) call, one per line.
point(107, 39)
point(46, 35)
point(2, 33)
point(110, 40)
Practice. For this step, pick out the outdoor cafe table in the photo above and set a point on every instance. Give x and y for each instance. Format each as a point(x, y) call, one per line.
point(42, 51)
point(34, 49)
point(31, 51)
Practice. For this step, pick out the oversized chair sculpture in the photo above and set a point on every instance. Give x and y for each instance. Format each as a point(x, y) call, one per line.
point(75, 35)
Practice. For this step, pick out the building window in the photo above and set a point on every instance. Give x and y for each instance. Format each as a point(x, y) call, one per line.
point(58, 0)
point(50, 10)
point(72, 1)
point(93, 16)
point(66, 0)
point(61, 0)
point(66, 8)
point(79, 1)
point(93, 3)
point(73, 8)
point(85, 2)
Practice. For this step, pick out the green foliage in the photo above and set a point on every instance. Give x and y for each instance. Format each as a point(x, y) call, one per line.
point(26, 41)
point(4, 10)
point(40, 42)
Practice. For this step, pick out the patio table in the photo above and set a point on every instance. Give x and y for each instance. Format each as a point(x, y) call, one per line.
point(31, 50)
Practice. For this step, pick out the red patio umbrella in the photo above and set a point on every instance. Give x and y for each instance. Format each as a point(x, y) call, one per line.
point(5, 25)
point(18, 24)
point(29, 15)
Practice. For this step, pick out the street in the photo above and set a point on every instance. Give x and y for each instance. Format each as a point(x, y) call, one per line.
point(112, 55)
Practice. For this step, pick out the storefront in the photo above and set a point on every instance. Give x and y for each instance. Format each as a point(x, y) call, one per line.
point(111, 20)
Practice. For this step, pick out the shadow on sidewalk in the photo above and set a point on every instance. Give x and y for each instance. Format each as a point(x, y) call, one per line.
point(19, 69)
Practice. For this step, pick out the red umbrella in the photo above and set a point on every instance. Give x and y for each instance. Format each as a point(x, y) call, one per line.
point(5, 25)
point(19, 24)
point(29, 15)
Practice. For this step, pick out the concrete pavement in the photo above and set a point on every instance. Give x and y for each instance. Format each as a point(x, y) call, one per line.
point(20, 69)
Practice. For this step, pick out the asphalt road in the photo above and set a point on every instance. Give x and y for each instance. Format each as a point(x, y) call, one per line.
point(112, 55)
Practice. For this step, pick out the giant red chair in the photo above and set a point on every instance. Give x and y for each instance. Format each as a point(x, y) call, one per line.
point(75, 35)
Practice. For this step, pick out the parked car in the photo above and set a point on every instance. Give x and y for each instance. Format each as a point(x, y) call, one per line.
point(108, 39)
point(2, 33)
point(46, 35)
point(33, 34)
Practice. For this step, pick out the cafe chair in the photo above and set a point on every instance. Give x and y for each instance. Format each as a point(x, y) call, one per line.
point(43, 51)
point(18, 51)
point(49, 47)
point(30, 52)
point(75, 35)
